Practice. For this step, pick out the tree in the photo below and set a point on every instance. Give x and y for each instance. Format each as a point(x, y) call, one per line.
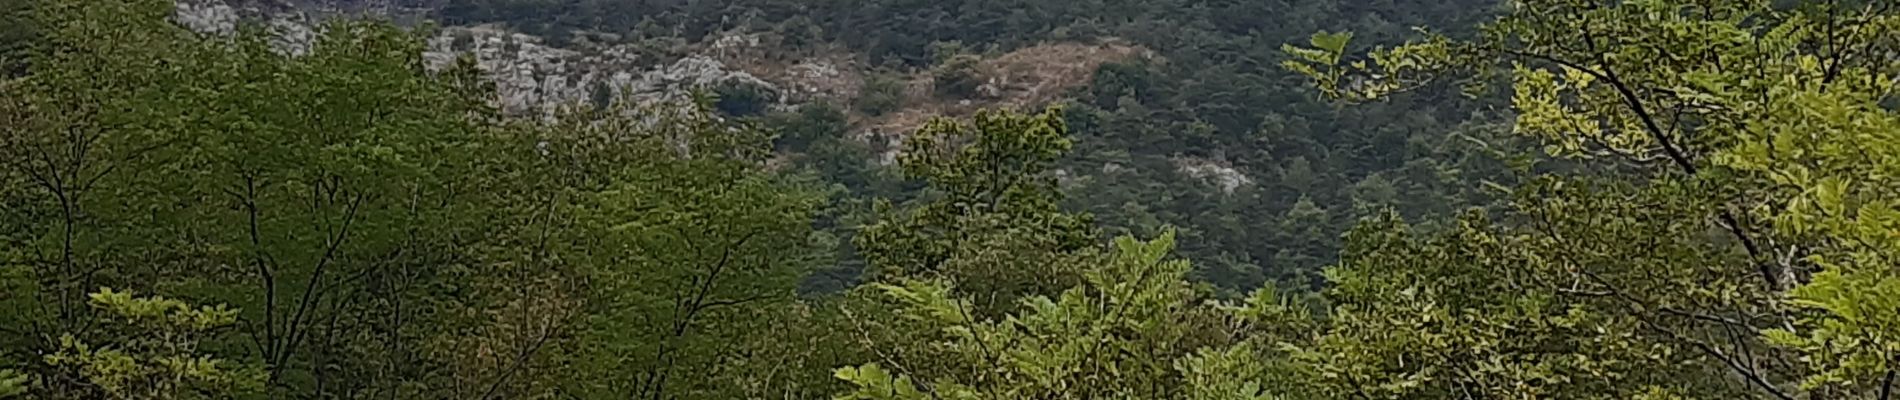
point(324, 194)
point(992, 209)
point(59, 150)
point(812, 123)
point(957, 78)
point(1215, 86)
point(1133, 329)
point(154, 353)
point(600, 95)
point(793, 357)
point(1766, 120)
point(881, 94)
point(1559, 309)
point(687, 245)
point(18, 35)
point(13, 383)
point(743, 99)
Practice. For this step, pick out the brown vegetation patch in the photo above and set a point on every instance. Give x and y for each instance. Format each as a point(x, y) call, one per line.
point(1029, 77)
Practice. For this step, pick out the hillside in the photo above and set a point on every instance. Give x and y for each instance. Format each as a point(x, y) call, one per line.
point(949, 199)
point(1187, 129)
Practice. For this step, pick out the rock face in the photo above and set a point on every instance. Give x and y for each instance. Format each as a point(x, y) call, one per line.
point(535, 78)
point(691, 72)
point(207, 16)
point(816, 79)
point(292, 26)
point(532, 78)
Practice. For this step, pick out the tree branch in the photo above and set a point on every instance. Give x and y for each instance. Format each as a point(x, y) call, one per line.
point(1676, 154)
point(520, 360)
point(1886, 386)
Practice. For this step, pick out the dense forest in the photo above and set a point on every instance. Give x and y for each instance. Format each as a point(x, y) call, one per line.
point(1216, 95)
point(1589, 199)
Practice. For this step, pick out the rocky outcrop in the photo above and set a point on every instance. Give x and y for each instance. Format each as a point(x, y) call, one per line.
point(534, 78)
point(524, 70)
point(537, 78)
point(292, 26)
point(1227, 178)
point(208, 16)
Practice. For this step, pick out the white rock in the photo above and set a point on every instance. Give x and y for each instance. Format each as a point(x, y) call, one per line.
point(531, 77)
point(536, 79)
point(213, 17)
point(1225, 177)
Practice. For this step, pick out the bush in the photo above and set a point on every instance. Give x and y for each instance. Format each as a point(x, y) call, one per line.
point(463, 41)
point(881, 94)
point(1116, 80)
point(601, 95)
point(743, 99)
point(957, 78)
point(811, 123)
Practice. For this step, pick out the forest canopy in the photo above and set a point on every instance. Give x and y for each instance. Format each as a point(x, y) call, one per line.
point(1657, 199)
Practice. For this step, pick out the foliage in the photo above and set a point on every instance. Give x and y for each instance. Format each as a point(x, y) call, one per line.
point(156, 351)
point(1552, 310)
point(17, 36)
point(881, 94)
point(794, 359)
point(991, 213)
point(957, 78)
point(800, 130)
point(1209, 92)
point(1711, 217)
point(742, 99)
point(1132, 329)
point(600, 95)
point(385, 234)
point(684, 247)
point(13, 383)
point(1772, 116)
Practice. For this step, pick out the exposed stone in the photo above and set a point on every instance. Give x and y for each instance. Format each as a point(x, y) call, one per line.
point(292, 28)
point(213, 17)
point(1225, 177)
point(534, 78)
point(819, 79)
point(293, 38)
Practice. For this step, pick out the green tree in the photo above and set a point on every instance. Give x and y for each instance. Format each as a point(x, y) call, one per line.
point(13, 383)
point(18, 35)
point(1767, 121)
point(600, 95)
point(794, 355)
point(1133, 329)
point(154, 353)
point(810, 124)
point(1205, 100)
point(991, 211)
point(322, 194)
point(881, 94)
point(1558, 309)
point(743, 99)
point(957, 78)
point(687, 245)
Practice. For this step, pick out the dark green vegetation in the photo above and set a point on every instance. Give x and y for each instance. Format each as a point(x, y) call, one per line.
point(17, 35)
point(186, 216)
point(1217, 97)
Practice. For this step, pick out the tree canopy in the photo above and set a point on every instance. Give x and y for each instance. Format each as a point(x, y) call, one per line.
point(1654, 199)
